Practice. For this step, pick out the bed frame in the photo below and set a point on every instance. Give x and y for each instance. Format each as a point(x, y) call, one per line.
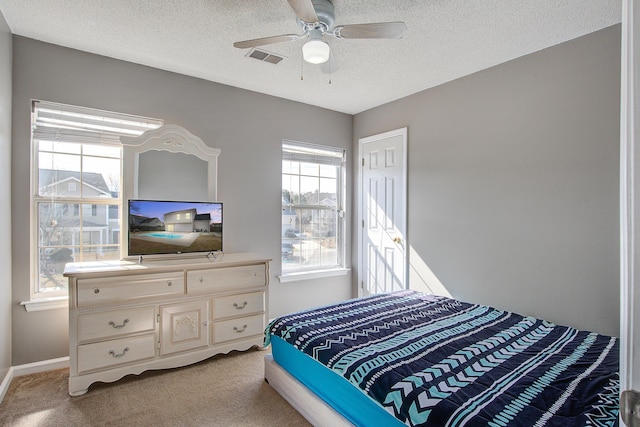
point(310, 406)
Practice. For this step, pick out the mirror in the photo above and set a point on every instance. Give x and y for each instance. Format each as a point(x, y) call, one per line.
point(190, 184)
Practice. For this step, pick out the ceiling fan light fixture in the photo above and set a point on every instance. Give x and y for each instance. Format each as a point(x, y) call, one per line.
point(316, 51)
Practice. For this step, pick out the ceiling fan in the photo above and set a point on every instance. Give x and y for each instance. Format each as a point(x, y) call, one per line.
point(316, 17)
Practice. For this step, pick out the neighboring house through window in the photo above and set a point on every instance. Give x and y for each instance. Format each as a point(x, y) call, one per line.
point(313, 223)
point(76, 186)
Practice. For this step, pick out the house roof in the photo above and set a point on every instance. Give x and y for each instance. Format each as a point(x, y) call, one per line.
point(52, 176)
point(142, 220)
point(180, 211)
point(445, 40)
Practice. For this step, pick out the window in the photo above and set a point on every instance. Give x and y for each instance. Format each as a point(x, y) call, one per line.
point(76, 172)
point(313, 179)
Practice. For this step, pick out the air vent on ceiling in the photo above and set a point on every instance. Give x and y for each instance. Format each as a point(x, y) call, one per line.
point(263, 55)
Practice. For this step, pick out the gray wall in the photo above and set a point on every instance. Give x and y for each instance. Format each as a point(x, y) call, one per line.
point(513, 175)
point(5, 197)
point(248, 127)
point(513, 182)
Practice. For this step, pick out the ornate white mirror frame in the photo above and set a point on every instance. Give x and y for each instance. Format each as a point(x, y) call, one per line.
point(170, 138)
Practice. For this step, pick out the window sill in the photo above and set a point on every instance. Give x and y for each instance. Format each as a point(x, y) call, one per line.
point(46, 304)
point(315, 274)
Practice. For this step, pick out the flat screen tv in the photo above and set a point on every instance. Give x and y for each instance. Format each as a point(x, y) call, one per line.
point(174, 227)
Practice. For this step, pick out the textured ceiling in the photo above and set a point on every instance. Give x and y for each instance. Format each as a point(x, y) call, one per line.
point(445, 40)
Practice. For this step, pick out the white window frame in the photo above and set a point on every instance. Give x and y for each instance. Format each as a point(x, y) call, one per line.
point(326, 155)
point(72, 124)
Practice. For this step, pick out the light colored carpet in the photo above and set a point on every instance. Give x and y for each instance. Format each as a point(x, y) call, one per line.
point(226, 390)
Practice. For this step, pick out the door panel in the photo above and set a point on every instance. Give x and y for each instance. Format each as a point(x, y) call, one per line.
point(629, 213)
point(383, 213)
point(183, 327)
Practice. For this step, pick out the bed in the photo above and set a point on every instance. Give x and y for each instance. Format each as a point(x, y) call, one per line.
point(407, 358)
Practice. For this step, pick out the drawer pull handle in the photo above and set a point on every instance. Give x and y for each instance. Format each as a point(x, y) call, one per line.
point(113, 353)
point(240, 307)
point(112, 323)
point(239, 331)
point(96, 291)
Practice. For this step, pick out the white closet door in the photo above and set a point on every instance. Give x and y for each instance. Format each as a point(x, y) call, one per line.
point(630, 215)
point(383, 211)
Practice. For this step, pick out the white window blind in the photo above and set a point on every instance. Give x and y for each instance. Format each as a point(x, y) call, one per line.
point(59, 122)
point(309, 153)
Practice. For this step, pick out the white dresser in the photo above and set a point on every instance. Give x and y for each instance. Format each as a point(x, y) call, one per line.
point(126, 317)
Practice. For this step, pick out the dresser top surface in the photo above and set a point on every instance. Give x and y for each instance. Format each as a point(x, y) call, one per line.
point(161, 264)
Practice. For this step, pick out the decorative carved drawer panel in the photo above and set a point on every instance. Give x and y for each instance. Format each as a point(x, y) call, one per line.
point(242, 327)
point(218, 279)
point(109, 324)
point(107, 354)
point(109, 290)
point(183, 326)
point(238, 305)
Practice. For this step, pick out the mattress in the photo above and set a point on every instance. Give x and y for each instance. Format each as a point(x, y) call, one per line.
point(335, 390)
point(424, 360)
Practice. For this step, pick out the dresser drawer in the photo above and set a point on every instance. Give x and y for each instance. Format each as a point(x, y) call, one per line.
point(234, 329)
point(238, 305)
point(115, 352)
point(225, 278)
point(115, 323)
point(128, 288)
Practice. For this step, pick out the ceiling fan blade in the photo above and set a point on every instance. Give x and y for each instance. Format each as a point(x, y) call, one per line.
point(304, 10)
point(266, 40)
point(378, 30)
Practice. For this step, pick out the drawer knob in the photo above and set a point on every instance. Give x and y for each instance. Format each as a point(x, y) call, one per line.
point(169, 283)
point(239, 331)
point(240, 307)
point(112, 323)
point(113, 353)
point(200, 280)
point(96, 291)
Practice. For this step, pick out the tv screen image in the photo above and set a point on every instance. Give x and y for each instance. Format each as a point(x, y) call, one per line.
point(174, 227)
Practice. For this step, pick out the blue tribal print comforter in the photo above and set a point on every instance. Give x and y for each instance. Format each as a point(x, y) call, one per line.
point(435, 361)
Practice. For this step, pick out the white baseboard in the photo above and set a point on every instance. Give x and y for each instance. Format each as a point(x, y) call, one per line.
point(6, 381)
point(31, 368)
point(42, 366)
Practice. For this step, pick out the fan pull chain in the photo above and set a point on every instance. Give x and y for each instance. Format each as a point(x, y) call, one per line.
point(301, 67)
